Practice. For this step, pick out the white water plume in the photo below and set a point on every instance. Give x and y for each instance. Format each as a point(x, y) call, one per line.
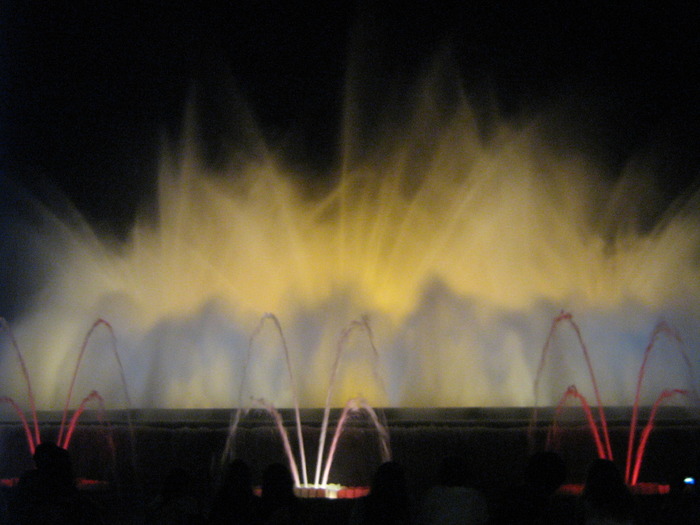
point(459, 250)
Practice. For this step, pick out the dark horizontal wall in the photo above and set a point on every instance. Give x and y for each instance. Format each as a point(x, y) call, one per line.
point(498, 453)
point(136, 460)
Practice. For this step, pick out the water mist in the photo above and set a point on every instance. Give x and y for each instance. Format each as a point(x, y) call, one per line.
point(458, 250)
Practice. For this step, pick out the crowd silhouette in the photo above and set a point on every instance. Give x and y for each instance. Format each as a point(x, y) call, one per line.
point(47, 494)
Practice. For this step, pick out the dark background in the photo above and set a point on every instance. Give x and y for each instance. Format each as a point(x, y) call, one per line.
point(90, 89)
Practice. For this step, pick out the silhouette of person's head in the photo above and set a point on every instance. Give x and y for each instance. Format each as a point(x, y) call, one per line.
point(387, 502)
point(238, 479)
point(605, 492)
point(234, 501)
point(545, 471)
point(53, 463)
point(48, 494)
point(603, 478)
point(278, 484)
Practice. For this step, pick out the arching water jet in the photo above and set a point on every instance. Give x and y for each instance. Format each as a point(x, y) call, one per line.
point(458, 248)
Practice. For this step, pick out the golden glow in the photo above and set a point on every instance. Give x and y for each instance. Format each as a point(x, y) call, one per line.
point(461, 258)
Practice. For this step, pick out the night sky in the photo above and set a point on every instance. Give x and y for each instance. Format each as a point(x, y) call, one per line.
point(89, 89)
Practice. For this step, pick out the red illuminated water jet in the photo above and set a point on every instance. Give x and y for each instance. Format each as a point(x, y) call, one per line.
point(604, 450)
point(68, 425)
point(598, 428)
point(32, 440)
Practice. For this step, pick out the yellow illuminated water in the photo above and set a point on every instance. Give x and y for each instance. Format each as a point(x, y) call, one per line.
point(460, 252)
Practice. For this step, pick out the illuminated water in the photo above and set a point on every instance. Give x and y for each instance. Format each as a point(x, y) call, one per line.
point(459, 252)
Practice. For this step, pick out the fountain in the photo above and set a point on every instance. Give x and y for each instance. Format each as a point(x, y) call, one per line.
point(68, 424)
point(603, 446)
point(353, 405)
point(455, 249)
point(320, 486)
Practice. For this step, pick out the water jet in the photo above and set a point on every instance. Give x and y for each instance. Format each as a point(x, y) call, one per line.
point(456, 250)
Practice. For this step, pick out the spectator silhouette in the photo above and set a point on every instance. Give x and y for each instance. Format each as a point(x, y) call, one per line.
point(176, 504)
point(234, 501)
point(4, 518)
point(605, 498)
point(455, 500)
point(529, 502)
point(279, 504)
point(48, 495)
point(387, 502)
